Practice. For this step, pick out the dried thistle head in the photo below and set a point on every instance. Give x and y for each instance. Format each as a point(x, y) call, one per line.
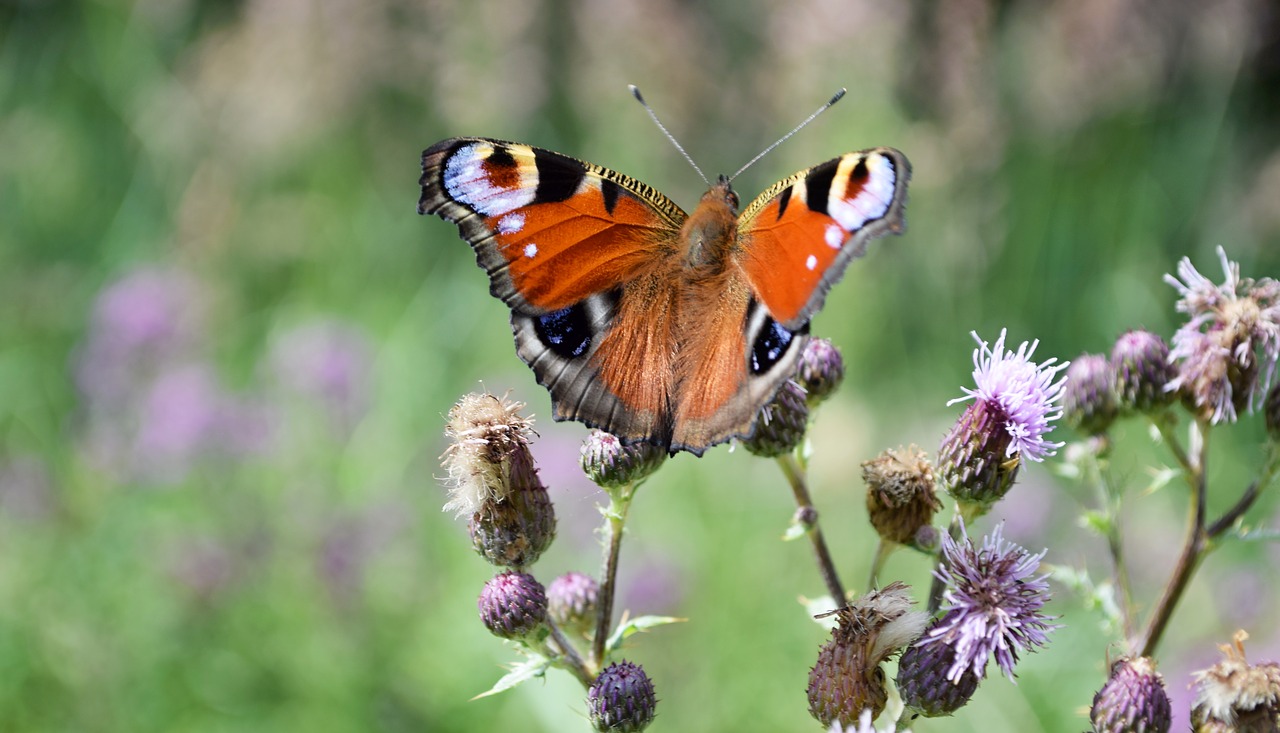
point(901, 497)
point(847, 677)
point(1234, 695)
point(487, 431)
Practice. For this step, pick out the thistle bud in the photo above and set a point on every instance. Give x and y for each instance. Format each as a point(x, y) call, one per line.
point(571, 602)
point(1133, 699)
point(1089, 400)
point(924, 685)
point(821, 370)
point(1142, 368)
point(974, 458)
point(847, 678)
point(1233, 695)
point(513, 605)
point(610, 463)
point(781, 424)
point(514, 532)
point(900, 493)
point(621, 700)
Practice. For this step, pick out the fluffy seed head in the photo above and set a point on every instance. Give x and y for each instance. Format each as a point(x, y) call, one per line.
point(486, 432)
point(1234, 695)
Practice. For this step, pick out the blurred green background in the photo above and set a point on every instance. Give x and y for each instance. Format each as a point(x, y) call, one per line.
point(227, 342)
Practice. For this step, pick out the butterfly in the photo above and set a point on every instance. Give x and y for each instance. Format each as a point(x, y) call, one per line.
point(644, 321)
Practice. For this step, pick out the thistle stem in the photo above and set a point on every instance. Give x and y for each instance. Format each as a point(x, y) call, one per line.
point(571, 660)
point(883, 550)
point(1192, 549)
point(616, 515)
point(795, 476)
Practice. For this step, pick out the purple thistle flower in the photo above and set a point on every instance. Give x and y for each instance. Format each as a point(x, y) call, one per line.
point(1217, 349)
point(1021, 391)
point(992, 604)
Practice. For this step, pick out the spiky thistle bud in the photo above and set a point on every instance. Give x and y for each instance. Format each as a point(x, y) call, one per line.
point(781, 424)
point(900, 493)
point(1089, 400)
point(513, 605)
point(847, 678)
point(571, 602)
point(610, 463)
point(621, 699)
point(821, 370)
point(1233, 695)
point(1133, 699)
point(1142, 368)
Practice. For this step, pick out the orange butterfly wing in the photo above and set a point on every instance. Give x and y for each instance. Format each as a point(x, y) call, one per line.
point(798, 237)
point(573, 249)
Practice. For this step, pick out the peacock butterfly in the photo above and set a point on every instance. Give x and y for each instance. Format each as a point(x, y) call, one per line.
point(644, 321)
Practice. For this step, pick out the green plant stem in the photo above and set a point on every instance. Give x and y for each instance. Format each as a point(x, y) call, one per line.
point(1109, 500)
point(795, 476)
point(616, 516)
point(571, 660)
point(1192, 548)
point(883, 550)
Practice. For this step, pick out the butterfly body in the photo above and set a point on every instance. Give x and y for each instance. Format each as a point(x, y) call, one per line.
point(642, 320)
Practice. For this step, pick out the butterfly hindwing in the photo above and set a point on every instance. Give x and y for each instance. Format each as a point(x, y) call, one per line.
point(567, 244)
point(799, 235)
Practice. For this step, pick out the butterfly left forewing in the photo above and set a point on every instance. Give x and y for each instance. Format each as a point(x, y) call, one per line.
point(798, 237)
point(570, 247)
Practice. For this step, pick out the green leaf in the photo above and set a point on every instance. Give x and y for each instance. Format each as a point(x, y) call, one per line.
point(795, 531)
point(636, 625)
point(1160, 477)
point(535, 666)
point(1096, 521)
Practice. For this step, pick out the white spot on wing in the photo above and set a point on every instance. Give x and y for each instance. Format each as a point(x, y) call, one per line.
point(511, 223)
point(834, 236)
point(467, 183)
point(872, 202)
point(811, 263)
point(530, 250)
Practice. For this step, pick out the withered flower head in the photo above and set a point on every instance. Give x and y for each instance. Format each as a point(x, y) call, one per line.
point(847, 678)
point(1233, 695)
point(900, 493)
point(486, 431)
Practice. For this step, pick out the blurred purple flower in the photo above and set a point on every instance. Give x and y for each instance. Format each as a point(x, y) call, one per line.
point(329, 362)
point(145, 319)
point(654, 583)
point(350, 544)
point(1021, 391)
point(991, 604)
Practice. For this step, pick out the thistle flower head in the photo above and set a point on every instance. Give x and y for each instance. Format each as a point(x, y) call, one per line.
point(1227, 351)
point(992, 604)
point(1022, 392)
point(1133, 699)
point(621, 699)
point(847, 678)
point(486, 432)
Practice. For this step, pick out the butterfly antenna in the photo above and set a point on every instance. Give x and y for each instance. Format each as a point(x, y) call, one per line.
point(835, 98)
point(635, 92)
